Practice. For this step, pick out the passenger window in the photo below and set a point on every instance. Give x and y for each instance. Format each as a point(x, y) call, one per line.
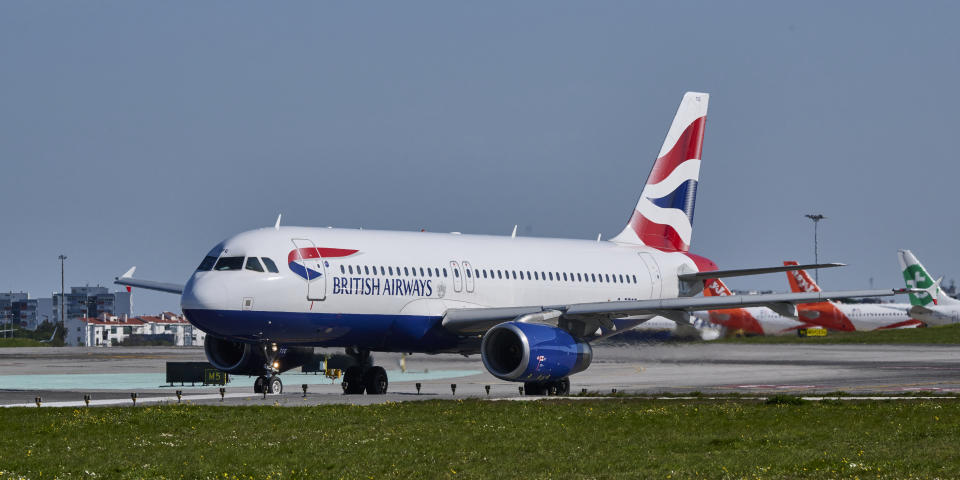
point(579, 279)
point(421, 271)
point(271, 267)
point(564, 276)
point(514, 273)
point(456, 273)
point(366, 270)
point(350, 268)
point(382, 271)
point(468, 273)
point(476, 273)
point(229, 263)
point(484, 274)
point(406, 272)
point(429, 272)
point(390, 269)
point(621, 278)
point(343, 270)
point(254, 264)
point(606, 277)
point(536, 276)
point(499, 274)
point(593, 278)
point(521, 274)
point(634, 279)
point(437, 272)
point(444, 272)
point(551, 276)
point(207, 264)
point(528, 275)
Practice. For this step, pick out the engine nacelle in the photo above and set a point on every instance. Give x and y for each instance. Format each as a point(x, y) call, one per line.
point(528, 352)
point(241, 358)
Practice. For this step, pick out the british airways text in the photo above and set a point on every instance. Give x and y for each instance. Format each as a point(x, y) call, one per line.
point(382, 286)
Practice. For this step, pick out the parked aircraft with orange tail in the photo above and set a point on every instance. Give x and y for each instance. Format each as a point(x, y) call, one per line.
point(750, 320)
point(847, 317)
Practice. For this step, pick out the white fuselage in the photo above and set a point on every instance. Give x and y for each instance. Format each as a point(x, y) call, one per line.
point(404, 278)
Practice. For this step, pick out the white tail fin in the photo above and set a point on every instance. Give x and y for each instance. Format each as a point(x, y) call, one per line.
point(663, 217)
point(917, 277)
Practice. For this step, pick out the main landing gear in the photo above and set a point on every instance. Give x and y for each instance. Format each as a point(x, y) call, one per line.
point(269, 382)
point(363, 376)
point(557, 387)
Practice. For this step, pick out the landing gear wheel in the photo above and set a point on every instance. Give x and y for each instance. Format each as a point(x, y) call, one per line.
point(353, 380)
point(375, 379)
point(562, 387)
point(533, 388)
point(258, 384)
point(274, 385)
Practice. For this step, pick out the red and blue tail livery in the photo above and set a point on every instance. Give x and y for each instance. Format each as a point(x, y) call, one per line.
point(297, 257)
point(663, 217)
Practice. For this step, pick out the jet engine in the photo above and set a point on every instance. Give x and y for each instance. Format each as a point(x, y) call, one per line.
point(527, 352)
point(241, 358)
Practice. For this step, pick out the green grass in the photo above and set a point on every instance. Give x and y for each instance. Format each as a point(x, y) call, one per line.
point(21, 342)
point(615, 438)
point(944, 335)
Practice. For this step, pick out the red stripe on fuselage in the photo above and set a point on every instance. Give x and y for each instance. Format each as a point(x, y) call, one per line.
point(308, 253)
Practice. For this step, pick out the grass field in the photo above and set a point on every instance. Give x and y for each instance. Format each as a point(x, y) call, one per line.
point(614, 438)
point(21, 342)
point(945, 335)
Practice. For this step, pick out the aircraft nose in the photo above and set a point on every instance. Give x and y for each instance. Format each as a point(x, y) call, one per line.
point(203, 293)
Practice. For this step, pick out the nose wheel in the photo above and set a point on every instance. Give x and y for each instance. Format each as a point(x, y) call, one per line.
point(269, 382)
point(364, 377)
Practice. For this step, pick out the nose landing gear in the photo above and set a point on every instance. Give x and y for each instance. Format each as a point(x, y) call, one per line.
point(364, 376)
point(269, 382)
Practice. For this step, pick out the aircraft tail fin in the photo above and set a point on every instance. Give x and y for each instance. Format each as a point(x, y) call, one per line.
point(663, 217)
point(715, 287)
point(800, 280)
point(917, 277)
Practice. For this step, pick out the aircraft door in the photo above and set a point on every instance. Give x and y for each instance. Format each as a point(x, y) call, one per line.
point(653, 272)
point(469, 280)
point(306, 262)
point(457, 276)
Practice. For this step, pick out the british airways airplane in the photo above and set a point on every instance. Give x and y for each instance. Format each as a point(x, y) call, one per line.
point(529, 306)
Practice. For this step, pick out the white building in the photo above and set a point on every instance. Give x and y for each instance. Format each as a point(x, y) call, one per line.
point(110, 330)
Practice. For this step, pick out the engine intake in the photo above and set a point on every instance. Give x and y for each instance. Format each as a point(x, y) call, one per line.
point(525, 352)
point(241, 358)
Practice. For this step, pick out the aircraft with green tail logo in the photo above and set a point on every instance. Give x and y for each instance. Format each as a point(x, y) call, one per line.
point(931, 305)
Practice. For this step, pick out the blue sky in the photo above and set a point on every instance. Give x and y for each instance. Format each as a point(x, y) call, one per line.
point(143, 133)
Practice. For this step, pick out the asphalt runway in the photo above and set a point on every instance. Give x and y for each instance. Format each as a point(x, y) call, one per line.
point(61, 376)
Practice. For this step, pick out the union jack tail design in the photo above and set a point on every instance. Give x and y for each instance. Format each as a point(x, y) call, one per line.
point(800, 280)
point(663, 217)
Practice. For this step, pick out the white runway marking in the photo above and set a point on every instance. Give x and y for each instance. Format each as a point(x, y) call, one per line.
point(128, 401)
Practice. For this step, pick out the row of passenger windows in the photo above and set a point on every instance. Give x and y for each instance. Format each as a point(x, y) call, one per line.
point(257, 265)
point(237, 263)
point(491, 273)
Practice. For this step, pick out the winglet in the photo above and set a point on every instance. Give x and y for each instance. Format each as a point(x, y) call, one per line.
point(129, 273)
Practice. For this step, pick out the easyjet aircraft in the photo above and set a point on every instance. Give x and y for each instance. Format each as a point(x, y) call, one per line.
point(843, 316)
point(755, 320)
point(931, 305)
point(529, 306)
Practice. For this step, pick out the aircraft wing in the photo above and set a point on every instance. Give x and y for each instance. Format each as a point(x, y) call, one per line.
point(585, 318)
point(128, 280)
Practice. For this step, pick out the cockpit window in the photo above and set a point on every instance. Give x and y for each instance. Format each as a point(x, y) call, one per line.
point(271, 267)
point(254, 264)
point(229, 263)
point(207, 264)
